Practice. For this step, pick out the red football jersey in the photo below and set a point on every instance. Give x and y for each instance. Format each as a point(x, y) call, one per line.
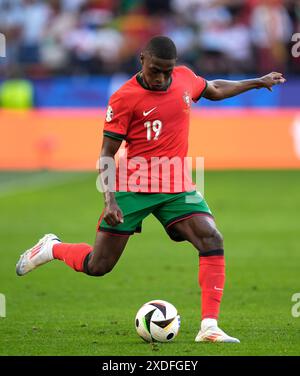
point(155, 125)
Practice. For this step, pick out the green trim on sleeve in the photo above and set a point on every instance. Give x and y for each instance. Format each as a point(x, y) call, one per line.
point(203, 91)
point(116, 136)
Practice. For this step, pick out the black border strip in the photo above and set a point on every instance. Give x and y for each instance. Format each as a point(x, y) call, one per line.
point(114, 135)
point(97, 365)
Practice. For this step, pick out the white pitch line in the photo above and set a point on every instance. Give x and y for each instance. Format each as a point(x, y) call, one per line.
point(37, 182)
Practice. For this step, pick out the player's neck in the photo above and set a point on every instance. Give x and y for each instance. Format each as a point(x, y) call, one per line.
point(143, 83)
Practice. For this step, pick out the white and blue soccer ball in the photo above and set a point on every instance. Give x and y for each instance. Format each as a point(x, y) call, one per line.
point(157, 320)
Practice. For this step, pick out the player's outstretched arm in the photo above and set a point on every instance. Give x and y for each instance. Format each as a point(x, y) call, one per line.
point(220, 89)
point(112, 213)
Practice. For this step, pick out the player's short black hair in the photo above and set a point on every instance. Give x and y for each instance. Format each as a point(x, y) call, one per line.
point(161, 47)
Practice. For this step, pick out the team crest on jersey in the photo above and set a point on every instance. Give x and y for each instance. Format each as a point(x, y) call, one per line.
point(187, 99)
point(109, 114)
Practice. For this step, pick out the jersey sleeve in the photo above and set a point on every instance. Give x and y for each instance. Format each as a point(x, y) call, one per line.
point(199, 84)
point(117, 117)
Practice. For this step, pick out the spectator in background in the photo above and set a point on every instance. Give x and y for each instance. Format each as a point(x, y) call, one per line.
point(185, 39)
point(225, 41)
point(64, 18)
point(271, 31)
point(94, 44)
point(71, 5)
point(104, 36)
point(35, 18)
point(11, 27)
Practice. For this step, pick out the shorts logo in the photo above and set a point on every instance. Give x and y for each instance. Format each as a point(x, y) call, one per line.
point(109, 114)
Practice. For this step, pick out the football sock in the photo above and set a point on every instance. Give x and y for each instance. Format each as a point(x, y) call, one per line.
point(208, 323)
point(211, 281)
point(72, 254)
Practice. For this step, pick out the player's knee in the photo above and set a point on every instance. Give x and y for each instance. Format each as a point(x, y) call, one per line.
point(212, 242)
point(99, 270)
point(218, 239)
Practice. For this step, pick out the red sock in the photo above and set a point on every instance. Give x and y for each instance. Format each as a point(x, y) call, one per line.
point(211, 280)
point(72, 254)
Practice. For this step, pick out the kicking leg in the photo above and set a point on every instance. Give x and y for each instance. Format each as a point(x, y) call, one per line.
point(96, 261)
point(107, 251)
point(201, 231)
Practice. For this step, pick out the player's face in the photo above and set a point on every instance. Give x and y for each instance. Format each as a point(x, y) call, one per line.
point(157, 72)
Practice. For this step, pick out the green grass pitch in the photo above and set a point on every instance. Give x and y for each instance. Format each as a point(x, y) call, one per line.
point(55, 311)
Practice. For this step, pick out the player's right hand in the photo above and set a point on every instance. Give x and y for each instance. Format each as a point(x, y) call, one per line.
point(272, 79)
point(113, 214)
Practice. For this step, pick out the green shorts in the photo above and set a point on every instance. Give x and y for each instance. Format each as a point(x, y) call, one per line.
point(168, 208)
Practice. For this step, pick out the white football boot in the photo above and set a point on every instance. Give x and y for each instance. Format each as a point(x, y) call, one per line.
point(39, 254)
point(210, 332)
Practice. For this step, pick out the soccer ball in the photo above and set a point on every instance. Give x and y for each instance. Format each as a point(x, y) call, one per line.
point(158, 321)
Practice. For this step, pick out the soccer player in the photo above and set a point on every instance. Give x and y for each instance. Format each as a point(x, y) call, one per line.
point(151, 113)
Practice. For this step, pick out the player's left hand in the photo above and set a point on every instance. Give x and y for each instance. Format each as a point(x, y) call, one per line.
point(272, 79)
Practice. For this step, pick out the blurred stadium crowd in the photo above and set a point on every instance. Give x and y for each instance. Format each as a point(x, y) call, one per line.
point(59, 37)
